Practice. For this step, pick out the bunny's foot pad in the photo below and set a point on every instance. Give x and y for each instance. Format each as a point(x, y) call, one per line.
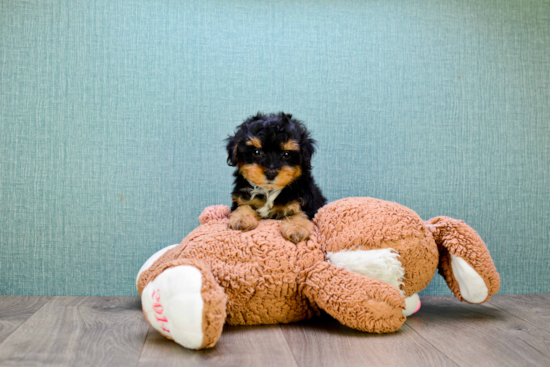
point(181, 305)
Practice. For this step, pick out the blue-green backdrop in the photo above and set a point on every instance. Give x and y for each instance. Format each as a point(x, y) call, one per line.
point(113, 115)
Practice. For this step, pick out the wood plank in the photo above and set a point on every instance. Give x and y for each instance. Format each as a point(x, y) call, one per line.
point(533, 308)
point(15, 310)
point(510, 330)
point(325, 342)
point(79, 331)
point(238, 346)
point(480, 335)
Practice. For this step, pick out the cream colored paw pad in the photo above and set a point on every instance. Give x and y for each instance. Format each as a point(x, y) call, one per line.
point(173, 304)
point(471, 284)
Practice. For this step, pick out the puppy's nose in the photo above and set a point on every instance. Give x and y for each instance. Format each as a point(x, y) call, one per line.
point(270, 174)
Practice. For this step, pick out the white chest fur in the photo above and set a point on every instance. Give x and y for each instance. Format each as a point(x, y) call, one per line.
point(270, 196)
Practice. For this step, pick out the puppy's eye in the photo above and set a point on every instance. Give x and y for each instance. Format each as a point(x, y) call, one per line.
point(286, 155)
point(257, 152)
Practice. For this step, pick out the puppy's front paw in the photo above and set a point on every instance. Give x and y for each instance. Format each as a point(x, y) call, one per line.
point(296, 228)
point(244, 218)
point(244, 223)
point(295, 234)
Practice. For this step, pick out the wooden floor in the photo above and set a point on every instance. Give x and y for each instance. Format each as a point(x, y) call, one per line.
point(511, 330)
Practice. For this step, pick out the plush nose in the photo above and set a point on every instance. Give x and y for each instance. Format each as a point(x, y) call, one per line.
point(270, 174)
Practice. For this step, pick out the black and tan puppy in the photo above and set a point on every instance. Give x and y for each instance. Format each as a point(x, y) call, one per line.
point(273, 179)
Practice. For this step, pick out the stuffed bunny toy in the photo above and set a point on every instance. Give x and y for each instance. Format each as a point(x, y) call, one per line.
point(364, 265)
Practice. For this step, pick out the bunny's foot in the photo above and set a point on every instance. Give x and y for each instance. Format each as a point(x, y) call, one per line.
point(185, 303)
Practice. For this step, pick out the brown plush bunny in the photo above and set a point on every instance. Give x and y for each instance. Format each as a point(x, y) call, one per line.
point(363, 265)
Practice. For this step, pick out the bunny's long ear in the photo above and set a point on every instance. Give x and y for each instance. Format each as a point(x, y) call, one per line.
point(464, 260)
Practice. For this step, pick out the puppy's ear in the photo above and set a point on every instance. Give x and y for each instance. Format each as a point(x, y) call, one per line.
point(232, 150)
point(307, 149)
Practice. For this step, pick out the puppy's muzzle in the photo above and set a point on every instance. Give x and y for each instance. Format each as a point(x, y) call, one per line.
point(270, 174)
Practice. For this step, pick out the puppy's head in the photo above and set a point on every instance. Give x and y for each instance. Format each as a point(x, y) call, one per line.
point(271, 150)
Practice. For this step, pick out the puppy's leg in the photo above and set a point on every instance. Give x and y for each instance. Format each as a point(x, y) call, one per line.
point(296, 228)
point(244, 218)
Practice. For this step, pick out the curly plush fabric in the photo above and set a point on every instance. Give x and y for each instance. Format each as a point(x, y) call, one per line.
point(365, 223)
point(258, 277)
point(457, 238)
point(259, 270)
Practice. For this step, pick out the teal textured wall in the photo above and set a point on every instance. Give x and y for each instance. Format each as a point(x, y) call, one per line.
point(112, 116)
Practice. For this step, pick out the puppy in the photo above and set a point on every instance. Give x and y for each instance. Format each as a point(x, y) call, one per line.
point(273, 179)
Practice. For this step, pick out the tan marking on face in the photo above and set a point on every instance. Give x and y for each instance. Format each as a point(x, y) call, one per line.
point(255, 142)
point(244, 218)
point(286, 175)
point(297, 227)
point(255, 173)
point(290, 145)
